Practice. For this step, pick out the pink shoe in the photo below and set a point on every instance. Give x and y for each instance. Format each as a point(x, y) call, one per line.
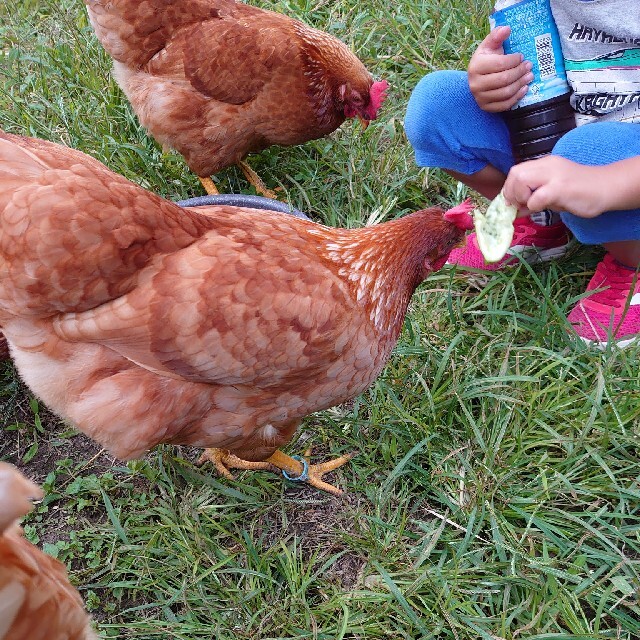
point(533, 242)
point(612, 313)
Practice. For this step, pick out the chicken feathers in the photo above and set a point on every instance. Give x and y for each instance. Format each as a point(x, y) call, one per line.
point(141, 322)
point(218, 79)
point(36, 600)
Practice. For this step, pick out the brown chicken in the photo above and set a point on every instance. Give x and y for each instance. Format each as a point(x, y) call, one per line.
point(218, 79)
point(141, 322)
point(36, 600)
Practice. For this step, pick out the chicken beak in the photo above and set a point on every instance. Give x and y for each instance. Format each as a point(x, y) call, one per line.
point(364, 122)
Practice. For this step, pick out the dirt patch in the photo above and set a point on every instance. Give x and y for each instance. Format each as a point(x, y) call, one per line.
point(20, 435)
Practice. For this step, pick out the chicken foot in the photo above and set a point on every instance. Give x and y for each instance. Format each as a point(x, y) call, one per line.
point(255, 180)
point(292, 468)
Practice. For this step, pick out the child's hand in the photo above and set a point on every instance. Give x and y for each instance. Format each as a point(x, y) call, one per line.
point(559, 184)
point(497, 81)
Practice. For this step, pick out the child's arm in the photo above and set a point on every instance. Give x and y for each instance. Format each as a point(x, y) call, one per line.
point(497, 81)
point(586, 191)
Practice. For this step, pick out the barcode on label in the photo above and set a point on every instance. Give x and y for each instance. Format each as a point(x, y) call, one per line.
point(546, 58)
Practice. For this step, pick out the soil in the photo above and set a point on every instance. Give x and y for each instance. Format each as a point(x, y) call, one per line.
point(18, 436)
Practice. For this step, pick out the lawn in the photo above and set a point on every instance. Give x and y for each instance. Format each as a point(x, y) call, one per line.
point(496, 493)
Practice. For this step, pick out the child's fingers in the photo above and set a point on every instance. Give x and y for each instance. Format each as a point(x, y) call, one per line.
point(504, 95)
point(502, 99)
point(521, 183)
point(541, 198)
point(517, 193)
point(498, 106)
point(512, 79)
point(486, 64)
point(494, 39)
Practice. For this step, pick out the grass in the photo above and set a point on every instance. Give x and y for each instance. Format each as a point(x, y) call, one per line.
point(497, 489)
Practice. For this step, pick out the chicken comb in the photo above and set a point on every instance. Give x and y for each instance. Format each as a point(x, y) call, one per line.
point(460, 215)
point(378, 94)
point(16, 494)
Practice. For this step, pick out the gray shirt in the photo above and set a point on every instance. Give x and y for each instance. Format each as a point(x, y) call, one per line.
point(601, 47)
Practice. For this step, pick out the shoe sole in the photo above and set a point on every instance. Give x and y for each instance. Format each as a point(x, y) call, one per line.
point(620, 344)
point(536, 255)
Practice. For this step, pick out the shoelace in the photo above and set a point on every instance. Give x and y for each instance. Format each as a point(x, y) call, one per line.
point(618, 281)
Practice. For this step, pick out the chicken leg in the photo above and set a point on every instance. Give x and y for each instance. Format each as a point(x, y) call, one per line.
point(209, 186)
point(254, 179)
point(292, 468)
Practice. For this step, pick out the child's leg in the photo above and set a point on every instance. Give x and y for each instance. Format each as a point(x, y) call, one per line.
point(447, 129)
point(626, 252)
point(488, 182)
point(613, 310)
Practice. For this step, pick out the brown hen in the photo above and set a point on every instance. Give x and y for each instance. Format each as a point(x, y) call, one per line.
point(36, 600)
point(141, 322)
point(218, 79)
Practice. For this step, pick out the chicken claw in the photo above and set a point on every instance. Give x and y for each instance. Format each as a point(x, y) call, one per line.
point(301, 471)
point(225, 460)
point(293, 468)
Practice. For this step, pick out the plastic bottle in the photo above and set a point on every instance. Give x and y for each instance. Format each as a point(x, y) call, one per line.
point(544, 115)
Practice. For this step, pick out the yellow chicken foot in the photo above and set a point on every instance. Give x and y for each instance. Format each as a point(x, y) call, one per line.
point(225, 460)
point(255, 180)
point(209, 186)
point(296, 468)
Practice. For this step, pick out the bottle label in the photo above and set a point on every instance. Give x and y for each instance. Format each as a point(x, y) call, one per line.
point(534, 34)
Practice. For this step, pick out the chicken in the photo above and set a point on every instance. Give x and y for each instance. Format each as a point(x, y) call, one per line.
point(219, 327)
point(218, 79)
point(36, 600)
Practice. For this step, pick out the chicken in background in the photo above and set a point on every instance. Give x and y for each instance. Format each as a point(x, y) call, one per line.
point(219, 327)
point(36, 599)
point(218, 79)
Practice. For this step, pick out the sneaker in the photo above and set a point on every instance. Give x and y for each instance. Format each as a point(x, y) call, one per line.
point(612, 312)
point(533, 242)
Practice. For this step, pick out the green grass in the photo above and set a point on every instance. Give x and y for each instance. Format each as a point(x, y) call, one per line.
point(497, 490)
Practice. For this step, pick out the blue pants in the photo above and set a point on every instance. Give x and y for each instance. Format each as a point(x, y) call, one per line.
point(447, 129)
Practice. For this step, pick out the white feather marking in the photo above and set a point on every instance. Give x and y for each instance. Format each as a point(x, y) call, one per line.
point(269, 434)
